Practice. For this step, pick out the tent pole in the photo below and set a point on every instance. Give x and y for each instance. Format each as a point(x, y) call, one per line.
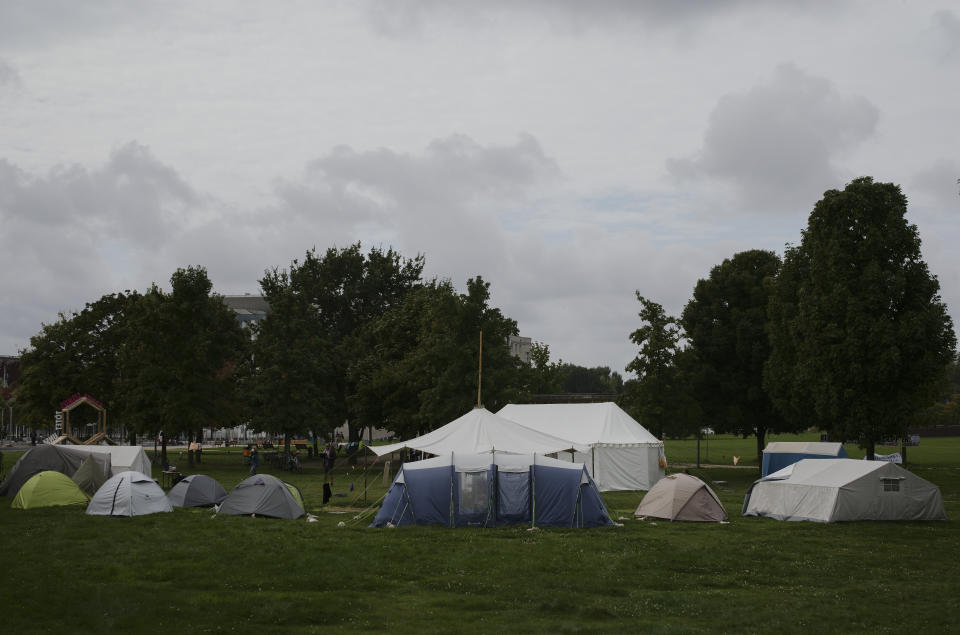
point(480, 372)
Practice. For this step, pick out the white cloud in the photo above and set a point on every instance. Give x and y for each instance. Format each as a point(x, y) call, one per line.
point(778, 143)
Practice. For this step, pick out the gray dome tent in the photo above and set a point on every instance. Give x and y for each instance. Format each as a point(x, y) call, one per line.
point(262, 495)
point(129, 494)
point(48, 457)
point(197, 490)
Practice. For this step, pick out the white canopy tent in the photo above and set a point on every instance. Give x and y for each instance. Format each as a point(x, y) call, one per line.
point(481, 431)
point(830, 490)
point(619, 452)
point(123, 458)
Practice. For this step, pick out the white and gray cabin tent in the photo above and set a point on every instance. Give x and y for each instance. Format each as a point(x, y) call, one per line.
point(833, 490)
point(129, 494)
point(682, 497)
point(481, 431)
point(492, 490)
point(619, 452)
point(197, 490)
point(123, 458)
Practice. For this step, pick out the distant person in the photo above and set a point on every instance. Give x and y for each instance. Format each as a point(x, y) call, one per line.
point(329, 457)
point(254, 460)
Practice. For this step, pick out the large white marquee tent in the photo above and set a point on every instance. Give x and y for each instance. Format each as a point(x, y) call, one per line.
point(619, 453)
point(480, 431)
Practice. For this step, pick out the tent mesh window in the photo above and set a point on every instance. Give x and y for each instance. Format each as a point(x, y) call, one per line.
point(891, 484)
point(473, 492)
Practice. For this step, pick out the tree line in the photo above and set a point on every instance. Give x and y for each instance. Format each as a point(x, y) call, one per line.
point(847, 333)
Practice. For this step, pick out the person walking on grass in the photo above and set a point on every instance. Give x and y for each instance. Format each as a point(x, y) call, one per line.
point(254, 460)
point(329, 457)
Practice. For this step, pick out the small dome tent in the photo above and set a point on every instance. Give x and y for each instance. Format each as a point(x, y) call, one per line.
point(780, 454)
point(832, 490)
point(129, 494)
point(263, 495)
point(197, 490)
point(682, 497)
point(492, 490)
point(46, 489)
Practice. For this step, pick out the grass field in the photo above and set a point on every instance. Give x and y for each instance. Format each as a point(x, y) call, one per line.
point(64, 571)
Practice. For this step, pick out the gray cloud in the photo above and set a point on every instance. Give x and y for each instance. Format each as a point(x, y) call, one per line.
point(9, 77)
point(947, 34)
point(77, 233)
point(777, 143)
point(402, 17)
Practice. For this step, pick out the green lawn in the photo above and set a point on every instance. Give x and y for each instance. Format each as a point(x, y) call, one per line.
point(67, 572)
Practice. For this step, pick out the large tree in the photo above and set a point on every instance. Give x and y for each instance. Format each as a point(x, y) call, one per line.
point(656, 396)
point(860, 335)
point(179, 359)
point(305, 348)
point(726, 326)
point(421, 365)
point(79, 353)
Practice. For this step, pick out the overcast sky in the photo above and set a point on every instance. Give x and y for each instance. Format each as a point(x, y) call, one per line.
point(571, 153)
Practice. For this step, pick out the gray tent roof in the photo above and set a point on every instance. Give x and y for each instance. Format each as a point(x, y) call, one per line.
point(197, 490)
point(38, 459)
point(92, 473)
point(263, 495)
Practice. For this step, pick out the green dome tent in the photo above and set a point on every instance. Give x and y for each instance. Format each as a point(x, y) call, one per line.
point(46, 489)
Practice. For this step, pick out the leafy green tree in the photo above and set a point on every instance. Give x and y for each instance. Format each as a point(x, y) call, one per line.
point(79, 353)
point(582, 380)
point(543, 376)
point(421, 367)
point(860, 335)
point(179, 359)
point(310, 341)
point(653, 396)
point(726, 326)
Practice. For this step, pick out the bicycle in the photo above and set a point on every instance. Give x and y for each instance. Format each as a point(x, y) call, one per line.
point(291, 462)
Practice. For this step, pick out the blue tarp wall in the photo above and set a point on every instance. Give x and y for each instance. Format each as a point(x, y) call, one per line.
point(775, 461)
point(542, 496)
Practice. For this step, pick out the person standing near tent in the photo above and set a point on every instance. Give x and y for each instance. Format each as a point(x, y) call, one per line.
point(329, 457)
point(254, 460)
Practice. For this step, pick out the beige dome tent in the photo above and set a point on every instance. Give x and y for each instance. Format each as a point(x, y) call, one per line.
point(682, 497)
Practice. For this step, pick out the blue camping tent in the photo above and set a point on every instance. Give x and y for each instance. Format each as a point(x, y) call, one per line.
point(493, 490)
point(779, 455)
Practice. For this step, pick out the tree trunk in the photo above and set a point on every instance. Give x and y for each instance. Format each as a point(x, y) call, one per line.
point(761, 438)
point(903, 449)
point(286, 441)
point(163, 452)
point(871, 445)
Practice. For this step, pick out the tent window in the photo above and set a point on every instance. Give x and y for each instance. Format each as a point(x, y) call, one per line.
point(473, 492)
point(891, 484)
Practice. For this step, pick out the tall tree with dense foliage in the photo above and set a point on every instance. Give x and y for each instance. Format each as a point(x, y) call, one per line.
point(179, 359)
point(726, 326)
point(305, 348)
point(860, 335)
point(655, 395)
point(79, 353)
point(422, 361)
